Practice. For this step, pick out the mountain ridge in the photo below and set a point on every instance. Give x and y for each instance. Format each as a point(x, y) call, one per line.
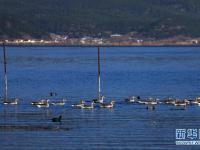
point(78, 18)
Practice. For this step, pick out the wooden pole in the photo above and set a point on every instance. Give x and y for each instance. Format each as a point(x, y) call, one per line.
point(99, 78)
point(5, 74)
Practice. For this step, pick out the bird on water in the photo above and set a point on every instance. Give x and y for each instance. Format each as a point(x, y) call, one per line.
point(57, 119)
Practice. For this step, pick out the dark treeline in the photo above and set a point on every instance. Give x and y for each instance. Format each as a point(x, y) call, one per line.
point(150, 18)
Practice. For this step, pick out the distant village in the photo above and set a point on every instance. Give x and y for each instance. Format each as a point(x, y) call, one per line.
point(112, 40)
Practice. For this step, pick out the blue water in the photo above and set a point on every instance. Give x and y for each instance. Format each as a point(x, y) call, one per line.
point(160, 72)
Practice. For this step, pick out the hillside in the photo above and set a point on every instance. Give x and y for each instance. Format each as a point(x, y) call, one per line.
point(76, 18)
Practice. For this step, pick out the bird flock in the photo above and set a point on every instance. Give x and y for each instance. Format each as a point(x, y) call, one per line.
point(150, 103)
point(100, 102)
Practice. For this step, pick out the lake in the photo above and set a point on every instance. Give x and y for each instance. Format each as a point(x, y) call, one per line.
point(71, 72)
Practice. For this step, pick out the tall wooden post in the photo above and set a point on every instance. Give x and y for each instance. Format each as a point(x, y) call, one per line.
point(5, 74)
point(99, 77)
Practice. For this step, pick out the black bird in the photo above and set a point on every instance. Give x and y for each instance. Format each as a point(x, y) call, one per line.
point(57, 119)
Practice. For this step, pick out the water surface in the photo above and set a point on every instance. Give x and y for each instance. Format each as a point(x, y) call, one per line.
point(160, 72)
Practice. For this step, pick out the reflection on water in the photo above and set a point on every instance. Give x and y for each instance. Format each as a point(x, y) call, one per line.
point(72, 73)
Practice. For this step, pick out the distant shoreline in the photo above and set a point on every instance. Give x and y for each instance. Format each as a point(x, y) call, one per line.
point(89, 45)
